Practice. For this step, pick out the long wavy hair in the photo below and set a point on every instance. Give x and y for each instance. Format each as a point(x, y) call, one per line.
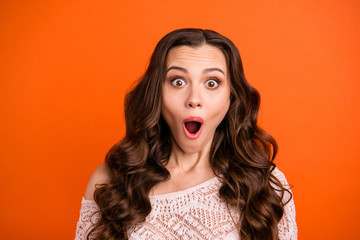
point(241, 154)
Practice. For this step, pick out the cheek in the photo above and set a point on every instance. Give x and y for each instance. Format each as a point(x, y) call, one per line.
point(169, 109)
point(171, 101)
point(223, 108)
point(219, 110)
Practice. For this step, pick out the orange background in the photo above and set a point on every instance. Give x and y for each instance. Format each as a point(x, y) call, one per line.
point(66, 65)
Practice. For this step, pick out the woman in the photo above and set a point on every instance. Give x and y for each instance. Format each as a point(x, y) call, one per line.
point(193, 164)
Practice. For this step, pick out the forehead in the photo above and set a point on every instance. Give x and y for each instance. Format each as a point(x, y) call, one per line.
point(204, 55)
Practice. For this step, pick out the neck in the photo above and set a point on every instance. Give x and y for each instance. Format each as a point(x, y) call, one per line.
point(181, 162)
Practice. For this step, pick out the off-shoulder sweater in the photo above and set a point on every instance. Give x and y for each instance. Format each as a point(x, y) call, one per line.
point(194, 213)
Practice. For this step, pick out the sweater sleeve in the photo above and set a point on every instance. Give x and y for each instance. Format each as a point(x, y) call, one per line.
point(287, 226)
point(88, 217)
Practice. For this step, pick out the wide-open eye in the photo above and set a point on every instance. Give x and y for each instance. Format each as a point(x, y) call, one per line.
point(178, 82)
point(212, 83)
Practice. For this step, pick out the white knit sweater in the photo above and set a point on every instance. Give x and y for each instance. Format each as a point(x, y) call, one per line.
point(195, 213)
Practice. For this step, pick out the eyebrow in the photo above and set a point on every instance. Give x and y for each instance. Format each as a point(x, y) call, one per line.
point(177, 68)
point(206, 70)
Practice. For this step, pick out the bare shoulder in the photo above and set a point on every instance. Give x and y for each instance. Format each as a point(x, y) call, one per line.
point(101, 175)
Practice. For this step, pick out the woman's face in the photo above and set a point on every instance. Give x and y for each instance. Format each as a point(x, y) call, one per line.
point(195, 95)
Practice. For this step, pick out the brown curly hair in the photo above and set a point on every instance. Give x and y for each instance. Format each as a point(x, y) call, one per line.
point(241, 154)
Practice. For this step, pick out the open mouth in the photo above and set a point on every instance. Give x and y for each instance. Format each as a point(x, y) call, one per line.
point(192, 127)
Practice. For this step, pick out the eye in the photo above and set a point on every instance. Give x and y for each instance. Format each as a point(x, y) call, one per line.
point(178, 82)
point(212, 83)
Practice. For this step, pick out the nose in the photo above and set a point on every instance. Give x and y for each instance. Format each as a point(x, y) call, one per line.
point(194, 99)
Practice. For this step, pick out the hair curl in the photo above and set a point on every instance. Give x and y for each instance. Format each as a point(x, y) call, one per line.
point(241, 154)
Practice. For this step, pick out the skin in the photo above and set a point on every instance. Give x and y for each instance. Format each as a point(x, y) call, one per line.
point(196, 84)
point(199, 96)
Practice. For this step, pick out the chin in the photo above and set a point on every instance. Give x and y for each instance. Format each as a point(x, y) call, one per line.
point(191, 150)
point(191, 147)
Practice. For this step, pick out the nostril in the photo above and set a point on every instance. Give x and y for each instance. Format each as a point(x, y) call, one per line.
point(194, 105)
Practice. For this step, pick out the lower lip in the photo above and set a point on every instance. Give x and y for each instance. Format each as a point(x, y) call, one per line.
point(190, 135)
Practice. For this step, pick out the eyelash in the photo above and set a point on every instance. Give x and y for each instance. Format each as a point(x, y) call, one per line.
point(215, 80)
point(177, 78)
point(172, 81)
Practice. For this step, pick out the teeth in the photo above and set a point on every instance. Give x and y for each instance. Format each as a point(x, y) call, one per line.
point(192, 126)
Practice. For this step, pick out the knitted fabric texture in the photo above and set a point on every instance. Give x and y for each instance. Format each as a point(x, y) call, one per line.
point(194, 213)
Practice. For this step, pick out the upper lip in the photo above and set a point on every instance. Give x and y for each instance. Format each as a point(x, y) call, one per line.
point(193, 119)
